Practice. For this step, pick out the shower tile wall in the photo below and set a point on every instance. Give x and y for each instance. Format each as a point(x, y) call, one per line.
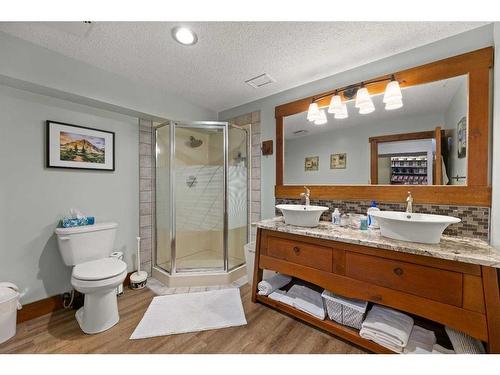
point(146, 193)
point(253, 119)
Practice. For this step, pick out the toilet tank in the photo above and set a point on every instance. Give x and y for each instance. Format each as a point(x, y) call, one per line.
point(85, 243)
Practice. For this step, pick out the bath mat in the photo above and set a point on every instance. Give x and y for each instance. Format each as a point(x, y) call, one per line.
point(191, 312)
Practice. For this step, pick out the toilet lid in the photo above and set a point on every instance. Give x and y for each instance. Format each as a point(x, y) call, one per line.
point(99, 269)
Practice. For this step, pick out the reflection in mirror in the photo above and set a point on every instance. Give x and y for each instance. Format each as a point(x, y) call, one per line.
point(422, 143)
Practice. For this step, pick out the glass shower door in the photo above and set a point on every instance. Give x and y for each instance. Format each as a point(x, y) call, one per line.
point(199, 184)
point(237, 196)
point(163, 207)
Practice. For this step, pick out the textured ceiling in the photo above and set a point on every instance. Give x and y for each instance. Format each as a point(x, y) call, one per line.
point(427, 99)
point(212, 72)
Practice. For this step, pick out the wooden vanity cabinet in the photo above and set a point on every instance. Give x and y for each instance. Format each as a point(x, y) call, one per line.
point(460, 295)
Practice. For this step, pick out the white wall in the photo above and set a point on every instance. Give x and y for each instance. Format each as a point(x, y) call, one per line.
point(462, 43)
point(352, 140)
point(33, 198)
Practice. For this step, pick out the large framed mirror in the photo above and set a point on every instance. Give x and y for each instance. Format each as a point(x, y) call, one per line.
point(435, 142)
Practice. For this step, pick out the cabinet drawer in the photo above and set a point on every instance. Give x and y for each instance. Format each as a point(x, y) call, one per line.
point(310, 255)
point(433, 283)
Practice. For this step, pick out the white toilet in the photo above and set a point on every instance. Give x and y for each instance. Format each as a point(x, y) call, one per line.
point(95, 274)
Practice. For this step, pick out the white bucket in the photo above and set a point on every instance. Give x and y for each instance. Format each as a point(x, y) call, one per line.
point(250, 261)
point(9, 304)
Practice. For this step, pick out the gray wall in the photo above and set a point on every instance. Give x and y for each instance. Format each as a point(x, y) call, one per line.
point(456, 110)
point(29, 66)
point(33, 198)
point(465, 42)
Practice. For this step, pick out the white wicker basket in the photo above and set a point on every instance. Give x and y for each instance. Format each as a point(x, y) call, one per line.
point(343, 310)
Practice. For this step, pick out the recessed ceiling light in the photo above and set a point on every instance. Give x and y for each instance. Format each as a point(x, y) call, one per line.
point(184, 36)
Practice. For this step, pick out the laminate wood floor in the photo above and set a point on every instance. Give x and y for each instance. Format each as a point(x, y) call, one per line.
point(267, 331)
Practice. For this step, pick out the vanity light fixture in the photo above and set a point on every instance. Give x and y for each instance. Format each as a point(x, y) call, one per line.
point(393, 98)
point(184, 36)
point(335, 104)
point(364, 101)
point(343, 112)
point(313, 112)
point(321, 120)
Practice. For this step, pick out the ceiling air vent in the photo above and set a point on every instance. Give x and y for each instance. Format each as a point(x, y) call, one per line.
point(300, 132)
point(259, 81)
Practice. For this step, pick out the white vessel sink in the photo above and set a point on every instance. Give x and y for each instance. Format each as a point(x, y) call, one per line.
point(301, 215)
point(413, 227)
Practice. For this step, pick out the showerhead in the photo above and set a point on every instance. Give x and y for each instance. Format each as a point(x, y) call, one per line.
point(193, 142)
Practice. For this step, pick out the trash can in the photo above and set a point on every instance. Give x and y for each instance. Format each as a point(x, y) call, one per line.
point(9, 304)
point(250, 261)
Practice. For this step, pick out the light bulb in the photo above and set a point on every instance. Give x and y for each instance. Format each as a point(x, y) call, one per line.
point(394, 104)
point(392, 92)
point(342, 113)
point(321, 120)
point(366, 108)
point(313, 112)
point(335, 104)
point(363, 98)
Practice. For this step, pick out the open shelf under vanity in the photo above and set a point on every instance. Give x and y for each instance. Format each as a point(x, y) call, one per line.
point(337, 329)
point(466, 299)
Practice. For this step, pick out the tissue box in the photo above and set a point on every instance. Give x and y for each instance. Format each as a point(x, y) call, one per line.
point(69, 222)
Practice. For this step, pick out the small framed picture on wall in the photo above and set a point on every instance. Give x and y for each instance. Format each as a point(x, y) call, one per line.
point(79, 147)
point(338, 161)
point(311, 163)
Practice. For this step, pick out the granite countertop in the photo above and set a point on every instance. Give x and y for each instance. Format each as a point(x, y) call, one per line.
point(461, 249)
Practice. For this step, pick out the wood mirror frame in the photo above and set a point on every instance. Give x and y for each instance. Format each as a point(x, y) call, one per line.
point(476, 65)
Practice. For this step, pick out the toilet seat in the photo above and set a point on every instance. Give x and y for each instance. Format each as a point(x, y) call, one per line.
point(100, 269)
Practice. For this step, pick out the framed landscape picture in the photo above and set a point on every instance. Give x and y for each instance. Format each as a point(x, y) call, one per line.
point(73, 146)
point(311, 163)
point(338, 161)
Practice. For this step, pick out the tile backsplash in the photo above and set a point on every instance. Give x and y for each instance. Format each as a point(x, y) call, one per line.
point(475, 220)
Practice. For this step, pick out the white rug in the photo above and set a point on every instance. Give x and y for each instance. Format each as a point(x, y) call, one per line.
point(191, 312)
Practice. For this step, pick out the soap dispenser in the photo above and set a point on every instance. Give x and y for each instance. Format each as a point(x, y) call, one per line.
point(372, 222)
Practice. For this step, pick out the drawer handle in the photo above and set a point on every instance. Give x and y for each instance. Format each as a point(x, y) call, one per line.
point(398, 271)
point(376, 298)
point(296, 249)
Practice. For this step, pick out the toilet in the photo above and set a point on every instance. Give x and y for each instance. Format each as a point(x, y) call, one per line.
point(95, 274)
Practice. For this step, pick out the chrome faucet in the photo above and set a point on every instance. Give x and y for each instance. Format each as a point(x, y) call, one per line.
point(306, 195)
point(409, 203)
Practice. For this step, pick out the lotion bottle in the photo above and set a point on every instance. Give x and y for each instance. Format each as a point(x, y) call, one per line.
point(336, 217)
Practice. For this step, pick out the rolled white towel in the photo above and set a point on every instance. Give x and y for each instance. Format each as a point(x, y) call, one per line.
point(307, 300)
point(421, 341)
point(387, 327)
point(277, 281)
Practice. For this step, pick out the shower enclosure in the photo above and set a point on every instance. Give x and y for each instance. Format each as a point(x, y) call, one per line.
point(202, 197)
